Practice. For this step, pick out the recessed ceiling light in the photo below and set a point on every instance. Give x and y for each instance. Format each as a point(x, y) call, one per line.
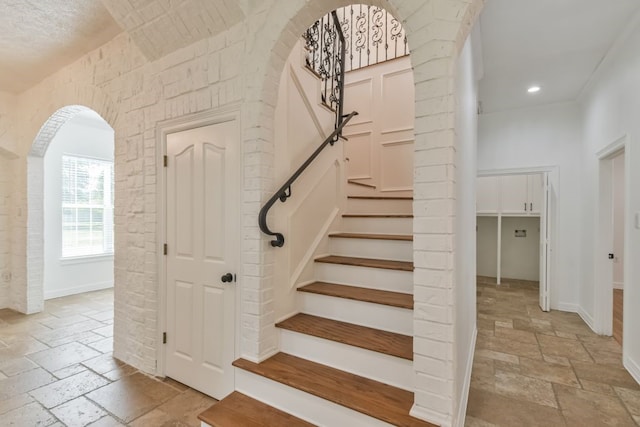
point(533, 89)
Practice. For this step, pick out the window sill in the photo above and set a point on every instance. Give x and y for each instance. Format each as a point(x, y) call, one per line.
point(85, 259)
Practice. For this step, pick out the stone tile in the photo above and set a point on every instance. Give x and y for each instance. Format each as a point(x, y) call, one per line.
point(630, 398)
point(78, 412)
point(597, 387)
point(476, 422)
point(107, 421)
point(186, 407)
point(14, 402)
point(29, 415)
point(102, 315)
point(153, 418)
point(90, 337)
point(68, 371)
point(516, 335)
point(105, 331)
point(120, 372)
point(103, 363)
point(12, 367)
point(23, 346)
point(103, 346)
point(504, 345)
point(132, 396)
point(585, 408)
point(67, 389)
point(605, 374)
point(505, 411)
point(24, 382)
point(606, 358)
point(505, 324)
point(175, 384)
point(556, 360)
point(555, 346)
point(56, 337)
point(558, 374)
point(63, 356)
point(496, 355)
point(61, 322)
point(525, 388)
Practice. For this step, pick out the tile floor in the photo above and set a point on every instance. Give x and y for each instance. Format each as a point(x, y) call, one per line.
point(544, 369)
point(56, 369)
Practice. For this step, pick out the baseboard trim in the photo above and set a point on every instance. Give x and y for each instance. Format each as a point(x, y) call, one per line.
point(632, 367)
point(587, 318)
point(430, 416)
point(566, 306)
point(58, 293)
point(464, 398)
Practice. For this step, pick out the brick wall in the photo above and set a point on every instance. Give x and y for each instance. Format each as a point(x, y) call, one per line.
point(242, 65)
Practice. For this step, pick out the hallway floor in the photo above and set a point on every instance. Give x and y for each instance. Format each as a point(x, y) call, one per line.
point(544, 369)
point(56, 369)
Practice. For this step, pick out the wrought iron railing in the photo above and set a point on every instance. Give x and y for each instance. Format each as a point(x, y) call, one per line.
point(326, 54)
point(372, 35)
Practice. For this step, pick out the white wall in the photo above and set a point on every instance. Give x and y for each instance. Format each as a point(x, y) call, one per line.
point(541, 137)
point(487, 246)
point(520, 256)
point(5, 235)
point(89, 136)
point(618, 221)
point(611, 110)
point(468, 71)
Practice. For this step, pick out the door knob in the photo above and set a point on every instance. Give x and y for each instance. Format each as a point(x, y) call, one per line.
point(227, 278)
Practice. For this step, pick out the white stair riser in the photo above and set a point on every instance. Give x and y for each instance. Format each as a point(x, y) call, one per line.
point(378, 225)
point(379, 206)
point(398, 250)
point(375, 278)
point(365, 363)
point(303, 405)
point(377, 316)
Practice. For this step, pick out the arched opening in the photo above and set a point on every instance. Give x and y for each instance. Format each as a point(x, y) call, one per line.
point(70, 209)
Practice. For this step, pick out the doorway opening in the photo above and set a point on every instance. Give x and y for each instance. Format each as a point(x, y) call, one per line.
point(515, 217)
point(70, 249)
point(612, 231)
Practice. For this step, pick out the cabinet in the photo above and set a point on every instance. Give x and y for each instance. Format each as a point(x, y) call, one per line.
point(509, 195)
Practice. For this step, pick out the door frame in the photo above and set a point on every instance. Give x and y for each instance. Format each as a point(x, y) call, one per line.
point(603, 283)
point(163, 128)
point(553, 175)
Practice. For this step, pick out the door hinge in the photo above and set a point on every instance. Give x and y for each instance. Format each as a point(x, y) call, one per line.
point(166, 161)
point(165, 249)
point(164, 338)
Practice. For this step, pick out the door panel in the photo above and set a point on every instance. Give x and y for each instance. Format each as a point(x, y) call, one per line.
point(202, 228)
point(545, 222)
point(513, 194)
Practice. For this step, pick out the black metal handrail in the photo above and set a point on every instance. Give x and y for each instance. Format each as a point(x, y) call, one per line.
point(285, 191)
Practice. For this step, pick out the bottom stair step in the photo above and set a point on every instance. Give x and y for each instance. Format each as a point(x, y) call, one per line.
point(375, 399)
point(240, 410)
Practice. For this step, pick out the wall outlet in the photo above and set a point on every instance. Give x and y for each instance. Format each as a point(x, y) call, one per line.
point(6, 276)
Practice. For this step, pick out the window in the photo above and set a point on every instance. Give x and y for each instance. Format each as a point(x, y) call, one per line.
point(87, 207)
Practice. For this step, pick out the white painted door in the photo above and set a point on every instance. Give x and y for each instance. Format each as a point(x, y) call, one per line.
point(202, 231)
point(545, 227)
point(536, 186)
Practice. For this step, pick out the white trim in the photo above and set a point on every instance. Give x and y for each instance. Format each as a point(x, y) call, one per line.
point(78, 289)
point(568, 307)
point(427, 415)
point(613, 149)
point(632, 367)
point(86, 259)
point(220, 115)
point(587, 318)
point(618, 285)
point(464, 397)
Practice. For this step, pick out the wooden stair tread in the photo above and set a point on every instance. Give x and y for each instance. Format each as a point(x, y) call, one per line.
point(403, 237)
point(238, 409)
point(372, 339)
point(381, 197)
point(378, 400)
point(376, 296)
point(367, 262)
point(363, 184)
point(377, 216)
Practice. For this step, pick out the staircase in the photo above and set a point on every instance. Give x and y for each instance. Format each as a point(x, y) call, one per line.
point(346, 359)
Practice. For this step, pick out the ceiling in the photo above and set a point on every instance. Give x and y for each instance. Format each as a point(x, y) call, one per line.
point(554, 44)
point(38, 37)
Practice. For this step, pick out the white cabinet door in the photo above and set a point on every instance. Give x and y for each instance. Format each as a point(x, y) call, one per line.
point(487, 200)
point(535, 192)
point(513, 194)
